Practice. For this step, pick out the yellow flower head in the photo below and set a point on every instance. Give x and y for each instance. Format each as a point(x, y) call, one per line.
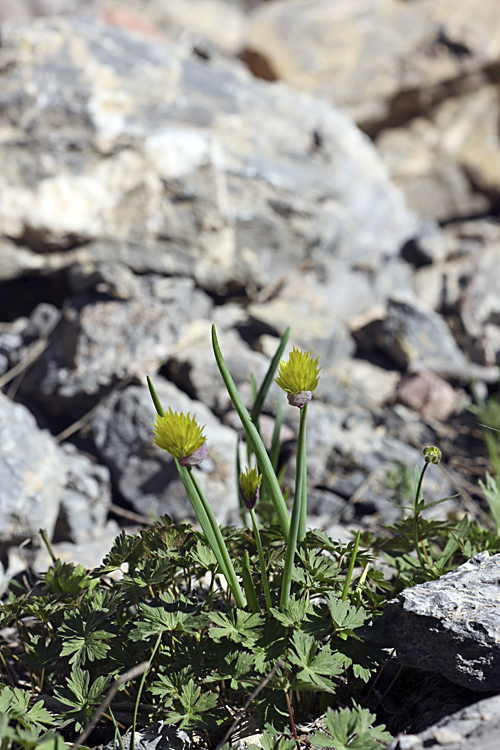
point(300, 373)
point(250, 481)
point(178, 434)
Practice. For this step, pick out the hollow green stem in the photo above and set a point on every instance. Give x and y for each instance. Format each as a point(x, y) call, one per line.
point(220, 549)
point(352, 563)
point(262, 562)
point(141, 688)
point(255, 441)
point(301, 475)
point(297, 512)
point(416, 514)
point(258, 400)
point(250, 592)
point(205, 516)
point(45, 537)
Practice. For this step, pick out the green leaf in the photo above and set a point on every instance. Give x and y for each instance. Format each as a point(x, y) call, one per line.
point(193, 705)
point(15, 703)
point(492, 494)
point(351, 729)
point(204, 556)
point(294, 614)
point(165, 619)
point(345, 617)
point(238, 626)
point(127, 548)
point(85, 639)
point(315, 663)
point(81, 696)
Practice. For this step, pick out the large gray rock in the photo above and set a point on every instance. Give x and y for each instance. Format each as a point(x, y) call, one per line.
point(101, 342)
point(451, 625)
point(416, 338)
point(121, 149)
point(44, 485)
point(32, 475)
point(480, 308)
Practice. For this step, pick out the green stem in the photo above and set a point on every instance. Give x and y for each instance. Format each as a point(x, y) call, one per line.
point(255, 440)
point(258, 400)
point(297, 512)
point(418, 492)
point(301, 475)
point(246, 575)
point(226, 566)
point(139, 692)
point(348, 579)
point(44, 535)
point(416, 513)
point(262, 562)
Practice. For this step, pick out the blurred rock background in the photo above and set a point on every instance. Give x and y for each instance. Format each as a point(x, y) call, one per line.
point(167, 164)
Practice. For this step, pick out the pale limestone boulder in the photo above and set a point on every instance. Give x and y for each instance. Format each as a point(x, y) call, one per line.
point(119, 149)
point(381, 61)
point(448, 162)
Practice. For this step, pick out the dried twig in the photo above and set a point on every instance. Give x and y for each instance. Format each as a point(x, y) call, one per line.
point(130, 675)
point(86, 417)
point(31, 355)
point(279, 664)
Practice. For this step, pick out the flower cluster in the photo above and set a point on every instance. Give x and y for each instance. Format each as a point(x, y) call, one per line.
point(298, 377)
point(182, 437)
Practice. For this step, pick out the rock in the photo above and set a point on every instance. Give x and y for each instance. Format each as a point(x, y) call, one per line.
point(447, 163)
point(350, 453)
point(415, 338)
point(112, 279)
point(428, 394)
point(159, 736)
point(144, 475)
point(204, 23)
point(193, 368)
point(480, 309)
point(319, 299)
point(450, 626)
point(101, 342)
point(86, 498)
point(32, 475)
point(475, 727)
point(440, 285)
point(355, 54)
point(170, 164)
point(43, 485)
point(314, 328)
point(428, 247)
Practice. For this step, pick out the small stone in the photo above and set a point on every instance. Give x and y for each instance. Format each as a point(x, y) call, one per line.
point(428, 394)
point(444, 736)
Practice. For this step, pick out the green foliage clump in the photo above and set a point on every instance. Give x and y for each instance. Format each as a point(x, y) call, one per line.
point(163, 630)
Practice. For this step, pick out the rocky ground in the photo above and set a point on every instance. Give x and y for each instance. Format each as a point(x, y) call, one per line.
point(332, 167)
